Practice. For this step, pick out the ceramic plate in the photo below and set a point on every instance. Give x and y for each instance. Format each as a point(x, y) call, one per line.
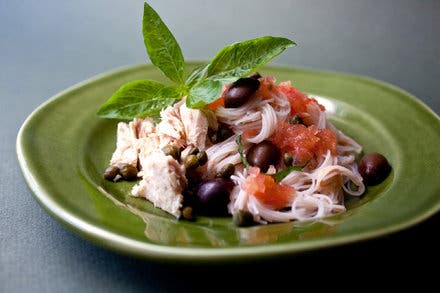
point(63, 148)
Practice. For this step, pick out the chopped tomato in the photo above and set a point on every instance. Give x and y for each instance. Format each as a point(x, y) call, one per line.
point(298, 100)
point(220, 102)
point(266, 87)
point(304, 142)
point(327, 141)
point(266, 190)
point(249, 133)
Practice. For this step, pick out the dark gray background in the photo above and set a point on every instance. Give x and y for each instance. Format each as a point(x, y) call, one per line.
point(48, 45)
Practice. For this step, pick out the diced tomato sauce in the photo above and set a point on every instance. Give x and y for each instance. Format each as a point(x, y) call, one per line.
point(220, 102)
point(250, 132)
point(267, 85)
point(298, 100)
point(266, 190)
point(304, 142)
point(327, 141)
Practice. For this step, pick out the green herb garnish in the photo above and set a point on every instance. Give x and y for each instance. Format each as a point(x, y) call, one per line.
point(283, 173)
point(240, 151)
point(203, 86)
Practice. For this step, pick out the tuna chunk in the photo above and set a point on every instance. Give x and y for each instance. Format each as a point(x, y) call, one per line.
point(163, 181)
point(127, 145)
point(170, 129)
point(196, 126)
point(126, 152)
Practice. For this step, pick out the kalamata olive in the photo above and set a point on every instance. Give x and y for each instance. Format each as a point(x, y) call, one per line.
point(374, 168)
point(240, 92)
point(111, 172)
point(213, 197)
point(263, 155)
point(255, 75)
point(128, 172)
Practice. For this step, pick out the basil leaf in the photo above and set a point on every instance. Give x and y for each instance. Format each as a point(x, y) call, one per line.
point(242, 58)
point(283, 173)
point(203, 93)
point(138, 99)
point(240, 151)
point(162, 47)
point(196, 75)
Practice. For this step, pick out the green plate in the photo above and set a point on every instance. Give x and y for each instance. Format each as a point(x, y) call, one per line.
point(63, 148)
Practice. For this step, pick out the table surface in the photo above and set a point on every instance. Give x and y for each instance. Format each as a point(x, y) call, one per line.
point(48, 45)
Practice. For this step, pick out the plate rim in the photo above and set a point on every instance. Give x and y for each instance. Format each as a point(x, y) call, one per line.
point(122, 244)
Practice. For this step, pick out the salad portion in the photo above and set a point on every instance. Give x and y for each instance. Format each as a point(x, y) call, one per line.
point(229, 141)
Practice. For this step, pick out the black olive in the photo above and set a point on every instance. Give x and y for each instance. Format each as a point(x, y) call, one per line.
point(263, 155)
point(128, 172)
point(240, 92)
point(111, 172)
point(213, 197)
point(255, 75)
point(374, 168)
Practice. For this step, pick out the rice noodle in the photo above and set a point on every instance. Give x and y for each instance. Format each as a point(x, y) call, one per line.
point(319, 191)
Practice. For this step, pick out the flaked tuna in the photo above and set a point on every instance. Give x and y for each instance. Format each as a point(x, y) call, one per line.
point(127, 141)
point(196, 126)
point(163, 181)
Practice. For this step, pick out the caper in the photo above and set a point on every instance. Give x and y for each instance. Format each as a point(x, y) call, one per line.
point(111, 172)
point(128, 172)
point(202, 157)
point(191, 162)
point(171, 150)
point(187, 213)
point(226, 171)
point(222, 133)
point(192, 150)
point(214, 137)
point(288, 159)
point(296, 120)
point(243, 219)
point(225, 132)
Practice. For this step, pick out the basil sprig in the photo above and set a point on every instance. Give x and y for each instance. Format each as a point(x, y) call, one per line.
point(241, 152)
point(203, 86)
point(280, 175)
